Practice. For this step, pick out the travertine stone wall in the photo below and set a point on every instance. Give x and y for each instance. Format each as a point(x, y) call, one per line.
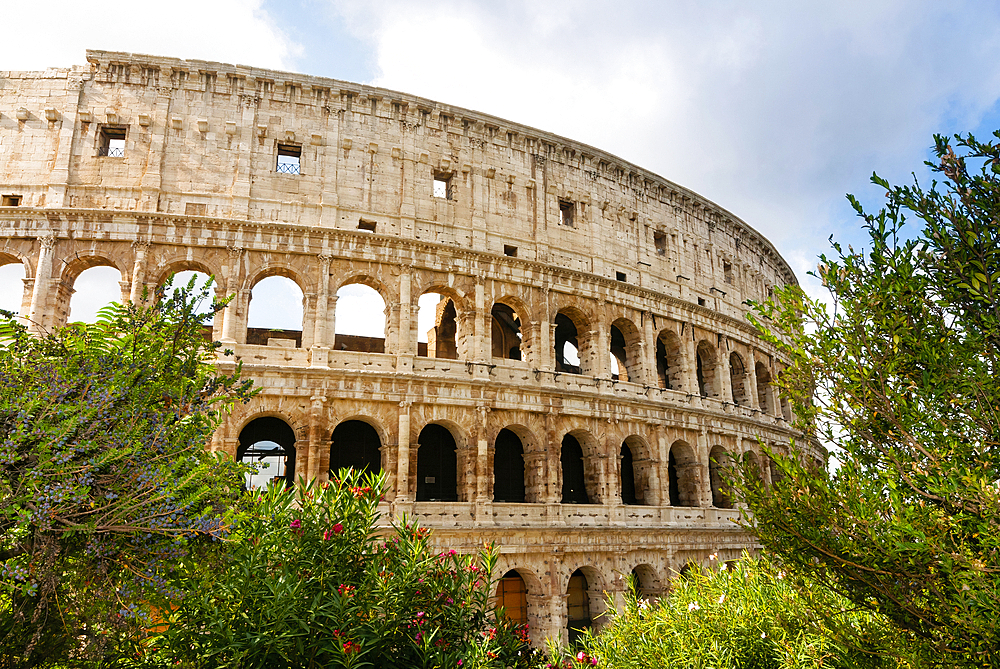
point(536, 222)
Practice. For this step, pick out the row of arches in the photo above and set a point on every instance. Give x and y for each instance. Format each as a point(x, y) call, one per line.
point(277, 305)
point(270, 442)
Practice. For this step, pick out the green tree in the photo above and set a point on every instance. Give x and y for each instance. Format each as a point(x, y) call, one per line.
point(900, 378)
point(310, 580)
point(748, 614)
point(104, 477)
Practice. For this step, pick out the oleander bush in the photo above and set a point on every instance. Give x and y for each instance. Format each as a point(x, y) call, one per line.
point(308, 580)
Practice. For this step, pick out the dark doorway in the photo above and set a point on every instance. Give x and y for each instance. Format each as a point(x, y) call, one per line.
point(355, 444)
point(628, 477)
point(437, 465)
point(508, 468)
point(574, 489)
point(512, 597)
point(269, 444)
point(577, 606)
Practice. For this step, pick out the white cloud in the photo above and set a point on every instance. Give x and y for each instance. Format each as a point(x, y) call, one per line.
point(772, 109)
point(58, 33)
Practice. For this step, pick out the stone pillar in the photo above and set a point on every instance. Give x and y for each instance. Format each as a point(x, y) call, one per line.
point(600, 351)
point(480, 352)
point(649, 351)
point(315, 439)
point(723, 376)
point(702, 450)
point(689, 364)
point(230, 313)
point(38, 319)
point(139, 272)
point(404, 337)
point(321, 333)
point(752, 373)
point(403, 494)
point(483, 500)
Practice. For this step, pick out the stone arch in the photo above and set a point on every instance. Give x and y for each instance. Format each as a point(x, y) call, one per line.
point(345, 317)
point(684, 474)
point(573, 327)
point(581, 480)
point(707, 369)
point(509, 484)
point(537, 604)
point(255, 439)
point(70, 274)
point(267, 334)
point(584, 588)
point(16, 283)
point(507, 331)
point(278, 269)
point(176, 265)
point(669, 360)
point(357, 442)
point(625, 342)
point(719, 461)
point(765, 397)
point(533, 456)
point(645, 581)
point(738, 378)
point(437, 466)
point(635, 471)
point(752, 462)
point(449, 336)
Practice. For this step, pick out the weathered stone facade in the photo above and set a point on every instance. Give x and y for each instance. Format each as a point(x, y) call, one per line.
point(156, 165)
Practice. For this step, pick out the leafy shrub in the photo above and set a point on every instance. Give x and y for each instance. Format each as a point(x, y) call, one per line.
point(747, 616)
point(309, 581)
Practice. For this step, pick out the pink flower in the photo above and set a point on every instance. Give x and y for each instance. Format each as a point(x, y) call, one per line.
point(296, 524)
point(338, 528)
point(581, 656)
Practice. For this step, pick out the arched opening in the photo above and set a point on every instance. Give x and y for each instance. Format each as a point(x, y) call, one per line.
point(269, 444)
point(181, 280)
point(738, 376)
point(752, 463)
point(437, 465)
point(355, 444)
point(93, 289)
point(619, 357)
point(11, 285)
point(706, 364)
point(627, 476)
point(567, 345)
point(764, 388)
point(506, 333)
point(438, 326)
point(775, 471)
point(274, 316)
point(682, 474)
point(359, 319)
point(512, 597)
point(574, 481)
point(645, 582)
point(578, 606)
point(508, 468)
point(624, 342)
point(719, 462)
point(668, 360)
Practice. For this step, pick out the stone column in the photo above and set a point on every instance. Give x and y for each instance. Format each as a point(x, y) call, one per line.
point(321, 333)
point(480, 350)
point(139, 272)
point(702, 449)
point(752, 373)
point(483, 500)
point(649, 351)
point(38, 319)
point(405, 331)
point(230, 313)
point(403, 494)
point(315, 439)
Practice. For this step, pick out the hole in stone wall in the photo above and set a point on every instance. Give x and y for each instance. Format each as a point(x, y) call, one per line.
point(274, 317)
point(566, 211)
point(269, 444)
point(660, 243)
point(289, 159)
point(111, 141)
point(355, 444)
point(505, 333)
point(438, 326)
point(508, 468)
point(574, 486)
point(94, 289)
point(437, 465)
point(443, 187)
point(366, 226)
point(12, 286)
point(509, 250)
point(10, 201)
point(727, 270)
point(360, 319)
point(620, 276)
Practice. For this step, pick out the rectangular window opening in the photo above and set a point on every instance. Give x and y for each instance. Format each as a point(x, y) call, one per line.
point(111, 141)
point(701, 301)
point(566, 213)
point(10, 201)
point(509, 250)
point(443, 187)
point(620, 276)
point(367, 226)
point(727, 269)
point(289, 157)
point(660, 242)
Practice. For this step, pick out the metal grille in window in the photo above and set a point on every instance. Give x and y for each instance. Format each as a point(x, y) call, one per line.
point(289, 157)
point(112, 142)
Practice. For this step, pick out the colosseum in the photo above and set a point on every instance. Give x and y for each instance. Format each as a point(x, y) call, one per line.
point(587, 368)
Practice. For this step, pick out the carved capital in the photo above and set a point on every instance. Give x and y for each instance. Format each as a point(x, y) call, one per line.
point(48, 241)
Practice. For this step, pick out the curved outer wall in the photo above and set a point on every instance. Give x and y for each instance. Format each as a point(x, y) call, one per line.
point(642, 261)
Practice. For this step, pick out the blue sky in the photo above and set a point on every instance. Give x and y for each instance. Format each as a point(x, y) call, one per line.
point(773, 109)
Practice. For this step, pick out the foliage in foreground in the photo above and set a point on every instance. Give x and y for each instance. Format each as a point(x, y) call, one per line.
point(902, 378)
point(104, 477)
point(747, 615)
point(308, 581)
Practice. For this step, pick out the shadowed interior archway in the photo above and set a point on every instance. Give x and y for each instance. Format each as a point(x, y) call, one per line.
point(355, 444)
point(269, 443)
point(437, 465)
